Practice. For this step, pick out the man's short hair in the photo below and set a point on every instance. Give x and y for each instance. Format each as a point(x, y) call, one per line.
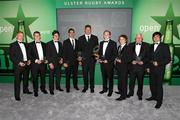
point(36, 32)
point(71, 29)
point(19, 32)
point(124, 36)
point(156, 33)
point(107, 31)
point(55, 32)
point(87, 26)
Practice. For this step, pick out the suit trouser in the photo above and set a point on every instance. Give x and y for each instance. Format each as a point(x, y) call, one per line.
point(88, 73)
point(107, 71)
point(156, 82)
point(122, 73)
point(136, 72)
point(73, 69)
point(21, 74)
point(57, 73)
point(36, 70)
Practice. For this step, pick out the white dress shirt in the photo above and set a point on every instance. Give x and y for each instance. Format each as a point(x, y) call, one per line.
point(87, 37)
point(105, 44)
point(122, 46)
point(156, 45)
point(40, 51)
point(72, 40)
point(23, 49)
point(56, 46)
point(137, 49)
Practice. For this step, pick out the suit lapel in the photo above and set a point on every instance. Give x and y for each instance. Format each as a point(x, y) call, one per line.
point(35, 48)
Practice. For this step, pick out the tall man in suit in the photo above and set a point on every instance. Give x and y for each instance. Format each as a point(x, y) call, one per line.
point(70, 48)
point(55, 61)
point(19, 57)
point(87, 42)
point(121, 65)
point(140, 58)
point(159, 57)
point(37, 55)
point(107, 53)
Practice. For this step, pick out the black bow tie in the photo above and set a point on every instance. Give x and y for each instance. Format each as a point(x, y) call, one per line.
point(56, 41)
point(20, 42)
point(138, 43)
point(106, 41)
point(38, 42)
point(156, 43)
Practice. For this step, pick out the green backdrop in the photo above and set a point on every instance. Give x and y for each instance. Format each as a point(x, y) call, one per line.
point(148, 16)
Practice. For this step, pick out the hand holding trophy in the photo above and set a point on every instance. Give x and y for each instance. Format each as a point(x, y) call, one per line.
point(96, 52)
point(79, 57)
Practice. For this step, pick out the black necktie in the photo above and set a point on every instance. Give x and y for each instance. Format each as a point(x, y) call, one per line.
point(73, 44)
point(88, 38)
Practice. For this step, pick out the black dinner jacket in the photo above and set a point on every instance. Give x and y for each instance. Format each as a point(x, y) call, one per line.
point(124, 54)
point(144, 52)
point(70, 54)
point(51, 53)
point(161, 55)
point(110, 53)
point(87, 47)
point(33, 53)
point(16, 54)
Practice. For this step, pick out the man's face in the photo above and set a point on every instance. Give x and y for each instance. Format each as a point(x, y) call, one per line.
point(106, 36)
point(156, 38)
point(37, 37)
point(122, 40)
point(20, 37)
point(56, 37)
point(138, 39)
point(87, 31)
point(72, 34)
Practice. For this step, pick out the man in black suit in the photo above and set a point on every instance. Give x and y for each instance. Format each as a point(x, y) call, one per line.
point(121, 65)
point(55, 61)
point(36, 52)
point(140, 58)
point(107, 53)
point(19, 57)
point(70, 47)
point(86, 44)
point(159, 57)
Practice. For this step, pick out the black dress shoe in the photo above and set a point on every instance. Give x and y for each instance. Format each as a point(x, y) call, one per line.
point(51, 92)
point(109, 94)
point(60, 89)
point(120, 98)
point(139, 97)
point(76, 88)
point(18, 99)
point(92, 90)
point(117, 92)
point(84, 90)
point(158, 105)
point(44, 91)
point(103, 91)
point(129, 95)
point(67, 90)
point(27, 92)
point(150, 98)
point(35, 94)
